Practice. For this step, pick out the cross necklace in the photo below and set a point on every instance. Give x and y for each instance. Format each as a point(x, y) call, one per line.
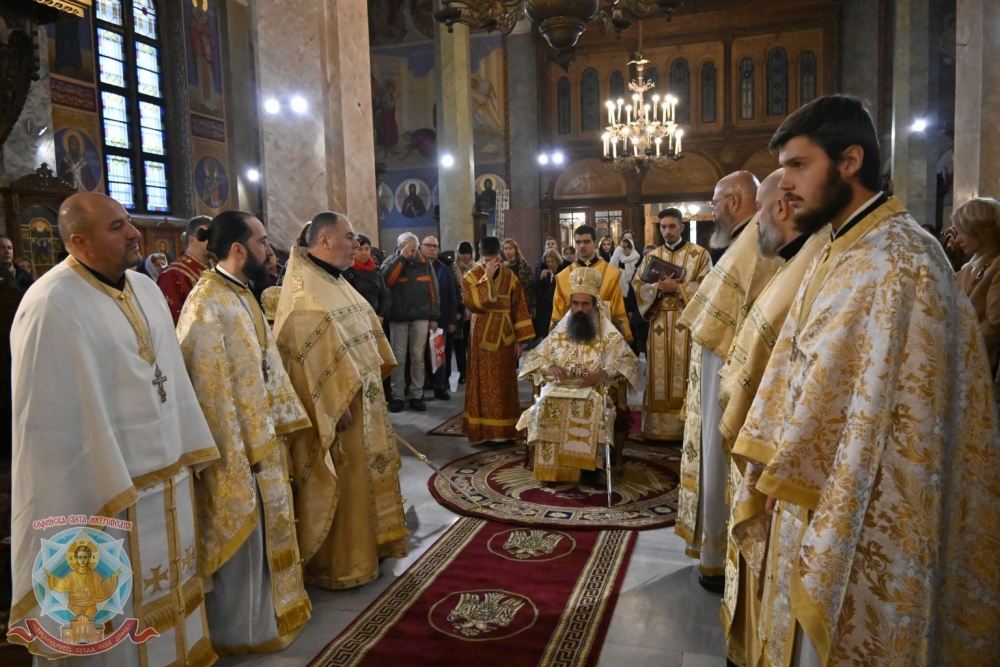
point(159, 379)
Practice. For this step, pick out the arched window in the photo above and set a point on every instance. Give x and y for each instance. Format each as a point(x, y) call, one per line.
point(563, 106)
point(617, 85)
point(708, 92)
point(590, 102)
point(130, 61)
point(807, 77)
point(652, 74)
point(746, 89)
point(777, 82)
point(680, 87)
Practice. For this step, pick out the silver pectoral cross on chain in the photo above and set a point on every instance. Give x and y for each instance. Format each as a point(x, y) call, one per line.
point(158, 380)
point(265, 367)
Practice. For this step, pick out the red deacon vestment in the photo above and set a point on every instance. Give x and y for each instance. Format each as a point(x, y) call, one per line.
point(177, 280)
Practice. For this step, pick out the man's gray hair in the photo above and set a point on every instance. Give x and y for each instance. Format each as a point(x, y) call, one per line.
point(405, 238)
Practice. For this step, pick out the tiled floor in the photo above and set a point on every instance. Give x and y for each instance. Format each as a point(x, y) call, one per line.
point(663, 617)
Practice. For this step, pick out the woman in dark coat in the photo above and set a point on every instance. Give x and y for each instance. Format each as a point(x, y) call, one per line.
point(545, 289)
point(365, 277)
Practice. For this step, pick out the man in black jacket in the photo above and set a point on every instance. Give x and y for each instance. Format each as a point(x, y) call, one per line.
point(16, 275)
point(450, 308)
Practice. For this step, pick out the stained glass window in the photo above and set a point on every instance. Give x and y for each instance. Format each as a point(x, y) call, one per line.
point(116, 121)
point(590, 93)
point(109, 10)
point(680, 87)
point(563, 106)
point(147, 68)
point(746, 89)
point(156, 186)
point(777, 82)
point(617, 85)
point(132, 106)
point(112, 57)
point(120, 180)
point(144, 18)
point(151, 123)
point(807, 77)
point(708, 92)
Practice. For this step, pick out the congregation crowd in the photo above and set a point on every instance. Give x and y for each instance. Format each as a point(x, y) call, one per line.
point(827, 374)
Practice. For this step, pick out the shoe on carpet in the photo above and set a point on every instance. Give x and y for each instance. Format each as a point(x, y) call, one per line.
point(395, 405)
point(417, 404)
point(713, 583)
point(442, 395)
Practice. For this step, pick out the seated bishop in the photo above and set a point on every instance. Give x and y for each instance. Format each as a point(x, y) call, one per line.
point(576, 362)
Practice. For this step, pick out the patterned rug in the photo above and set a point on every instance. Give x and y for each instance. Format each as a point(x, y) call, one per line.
point(453, 427)
point(495, 485)
point(489, 595)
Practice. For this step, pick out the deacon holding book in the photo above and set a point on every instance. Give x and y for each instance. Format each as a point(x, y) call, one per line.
point(666, 281)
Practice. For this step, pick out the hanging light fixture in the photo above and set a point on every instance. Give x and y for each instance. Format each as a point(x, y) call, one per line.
point(642, 135)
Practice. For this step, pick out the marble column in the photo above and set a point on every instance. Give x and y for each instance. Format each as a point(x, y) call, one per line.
point(522, 95)
point(977, 105)
point(456, 184)
point(322, 158)
point(31, 140)
point(858, 50)
point(913, 157)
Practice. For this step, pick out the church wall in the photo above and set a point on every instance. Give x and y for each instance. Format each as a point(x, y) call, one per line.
point(404, 101)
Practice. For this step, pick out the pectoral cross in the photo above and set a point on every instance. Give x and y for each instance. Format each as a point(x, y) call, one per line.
point(159, 380)
point(265, 367)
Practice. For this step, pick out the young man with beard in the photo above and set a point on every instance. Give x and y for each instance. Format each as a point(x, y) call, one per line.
point(739, 380)
point(247, 545)
point(875, 426)
point(581, 355)
point(712, 317)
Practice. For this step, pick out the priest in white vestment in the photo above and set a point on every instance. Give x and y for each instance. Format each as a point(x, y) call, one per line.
point(248, 546)
point(579, 357)
point(106, 424)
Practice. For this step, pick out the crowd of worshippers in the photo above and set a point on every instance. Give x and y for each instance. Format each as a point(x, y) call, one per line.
point(828, 375)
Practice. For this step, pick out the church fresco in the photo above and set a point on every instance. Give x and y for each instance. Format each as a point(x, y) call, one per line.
point(211, 183)
point(204, 66)
point(71, 47)
point(78, 160)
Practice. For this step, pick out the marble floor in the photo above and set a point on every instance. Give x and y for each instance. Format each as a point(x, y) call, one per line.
point(663, 617)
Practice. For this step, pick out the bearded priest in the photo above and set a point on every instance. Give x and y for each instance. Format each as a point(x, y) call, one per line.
point(575, 362)
point(247, 542)
point(345, 467)
point(876, 426)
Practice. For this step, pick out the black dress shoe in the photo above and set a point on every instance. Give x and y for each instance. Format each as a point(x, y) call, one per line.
point(442, 395)
point(417, 404)
point(461, 378)
point(713, 583)
point(395, 405)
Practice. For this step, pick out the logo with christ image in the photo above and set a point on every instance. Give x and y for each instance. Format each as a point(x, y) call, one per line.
point(82, 579)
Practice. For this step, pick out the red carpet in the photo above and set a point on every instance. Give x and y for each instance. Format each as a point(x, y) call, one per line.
point(493, 595)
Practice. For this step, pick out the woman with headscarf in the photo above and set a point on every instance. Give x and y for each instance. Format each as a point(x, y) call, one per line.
point(626, 259)
point(516, 262)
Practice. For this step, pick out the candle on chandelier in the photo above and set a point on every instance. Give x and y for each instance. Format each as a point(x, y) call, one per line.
point(680, 134)
point(611, 112)
point(614, 150)
point(628, 113)
point(656, 103)
point(659, 140)
point(620, 103)
point(607, 138)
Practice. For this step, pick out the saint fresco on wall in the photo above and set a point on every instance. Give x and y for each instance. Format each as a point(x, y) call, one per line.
point(211, 182)
point(79, 163)
point(204, 67)
point(71, 47)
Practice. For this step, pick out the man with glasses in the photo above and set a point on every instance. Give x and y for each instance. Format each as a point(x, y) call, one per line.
point(712, 318)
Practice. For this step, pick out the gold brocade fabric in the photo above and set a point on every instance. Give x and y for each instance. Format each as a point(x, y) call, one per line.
point(885, 546)
point(739, 380)
point(611, 294)
point(220, 330)
point(567, 422)
point(219, 339)
point(727, 292)
point(668, 352)
point(346, 484)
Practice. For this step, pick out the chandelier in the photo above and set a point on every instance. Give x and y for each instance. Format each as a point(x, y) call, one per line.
point(649, 136)
point(560, 22)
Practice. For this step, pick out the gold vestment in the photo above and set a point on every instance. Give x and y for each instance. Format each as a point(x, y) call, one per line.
point(346, 484)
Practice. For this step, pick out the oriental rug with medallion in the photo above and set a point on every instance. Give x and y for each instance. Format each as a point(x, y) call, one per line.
point(496, 485)
point(488, 594)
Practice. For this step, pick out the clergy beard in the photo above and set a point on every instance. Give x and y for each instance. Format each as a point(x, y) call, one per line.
point(582, 328)
point(255, 271)
point(834, 198)
point(770, 240)
point(720, 237)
